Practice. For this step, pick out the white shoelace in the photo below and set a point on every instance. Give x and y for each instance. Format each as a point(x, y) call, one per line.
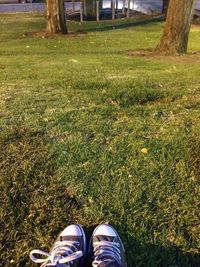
point(62, 252)
point(105, 250)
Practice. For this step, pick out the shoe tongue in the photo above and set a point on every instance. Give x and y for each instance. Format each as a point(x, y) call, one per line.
point(99, 238)
point(68, 238)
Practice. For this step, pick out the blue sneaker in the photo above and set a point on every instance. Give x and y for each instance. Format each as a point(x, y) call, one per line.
point(106, 248)
point(69, 250)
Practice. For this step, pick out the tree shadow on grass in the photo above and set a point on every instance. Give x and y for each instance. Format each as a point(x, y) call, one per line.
point(148, 255)
point(102, 26)
point(117, 25)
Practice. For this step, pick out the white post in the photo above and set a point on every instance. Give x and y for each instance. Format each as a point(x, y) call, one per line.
point(73, 5)
point(85, 8)
point(133, 5)
point(128, 9)
point(123, 8)
point(97, 10)
point(113, 8)
point(81, 11)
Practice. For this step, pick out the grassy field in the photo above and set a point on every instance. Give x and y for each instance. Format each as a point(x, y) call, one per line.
point(89, 134)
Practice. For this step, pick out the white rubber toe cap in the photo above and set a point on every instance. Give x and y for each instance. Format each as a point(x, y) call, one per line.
point(72, 230)
point(105, 230)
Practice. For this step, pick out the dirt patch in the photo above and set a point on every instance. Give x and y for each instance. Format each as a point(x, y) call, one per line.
point(196, 19)
point(196, 25)
point(48, 35)
point(189, 58)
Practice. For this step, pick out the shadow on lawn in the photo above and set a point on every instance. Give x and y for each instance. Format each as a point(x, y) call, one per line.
point(148, 255)
point(141, 22)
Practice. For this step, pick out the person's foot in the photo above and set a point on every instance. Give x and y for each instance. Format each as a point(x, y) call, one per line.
point(106, 248)
point(69, 250)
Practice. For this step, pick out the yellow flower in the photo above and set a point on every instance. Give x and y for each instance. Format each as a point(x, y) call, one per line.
point(144, 150)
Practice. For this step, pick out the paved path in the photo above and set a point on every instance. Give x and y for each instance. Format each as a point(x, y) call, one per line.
point(146, 6)
point(38, 7)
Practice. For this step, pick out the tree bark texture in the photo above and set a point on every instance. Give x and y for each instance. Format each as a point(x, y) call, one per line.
point(176, 32)
point(56, 18)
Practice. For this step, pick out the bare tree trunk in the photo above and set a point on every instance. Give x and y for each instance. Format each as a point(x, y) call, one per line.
point(56, 18)
point(165, 6)
point(177, 27)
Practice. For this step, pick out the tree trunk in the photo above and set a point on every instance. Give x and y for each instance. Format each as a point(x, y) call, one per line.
point(56, 18)
point(177, 27)
point(165, 6)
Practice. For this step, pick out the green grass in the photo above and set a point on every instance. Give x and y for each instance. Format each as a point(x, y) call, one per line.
point(75, 116)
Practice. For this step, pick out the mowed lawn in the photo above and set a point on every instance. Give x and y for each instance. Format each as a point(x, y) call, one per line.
point(90, 134)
